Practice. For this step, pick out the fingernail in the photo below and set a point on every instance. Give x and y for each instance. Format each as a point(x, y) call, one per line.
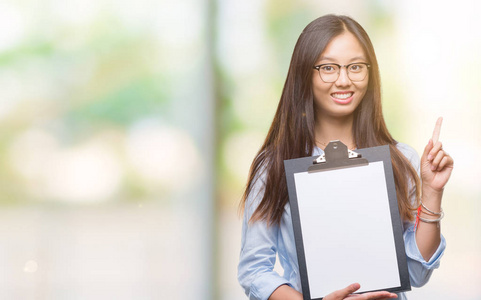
point(430, 157)
point(433, 168)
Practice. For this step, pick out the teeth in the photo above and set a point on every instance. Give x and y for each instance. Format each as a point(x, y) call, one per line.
point(342, 96)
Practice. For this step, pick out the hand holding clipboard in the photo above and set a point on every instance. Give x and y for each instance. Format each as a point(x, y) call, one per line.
point(347, 293)
point(436, 164)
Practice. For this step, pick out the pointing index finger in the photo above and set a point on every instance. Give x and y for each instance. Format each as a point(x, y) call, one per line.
point(437, 130)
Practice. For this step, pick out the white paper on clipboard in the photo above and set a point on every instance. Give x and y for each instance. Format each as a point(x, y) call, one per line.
point(347, 229)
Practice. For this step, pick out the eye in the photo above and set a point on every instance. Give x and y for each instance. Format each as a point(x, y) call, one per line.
point(356, 68)
point(328, 68)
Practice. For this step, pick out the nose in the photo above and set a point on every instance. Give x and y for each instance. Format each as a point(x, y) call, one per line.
point(343, 79)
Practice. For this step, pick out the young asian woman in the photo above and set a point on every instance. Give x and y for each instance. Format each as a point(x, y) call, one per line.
point(333, 92)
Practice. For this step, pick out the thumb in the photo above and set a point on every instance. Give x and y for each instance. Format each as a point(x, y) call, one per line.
point(348, 290)
point(428, 148)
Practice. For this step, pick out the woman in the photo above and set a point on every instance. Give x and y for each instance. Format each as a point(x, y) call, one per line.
point(332, 92)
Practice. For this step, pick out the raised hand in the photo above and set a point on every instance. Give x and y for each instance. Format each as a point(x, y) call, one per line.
point(436, 164)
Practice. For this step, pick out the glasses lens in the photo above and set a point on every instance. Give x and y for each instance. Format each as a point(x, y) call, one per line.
point(329, 73)
point(357, 72)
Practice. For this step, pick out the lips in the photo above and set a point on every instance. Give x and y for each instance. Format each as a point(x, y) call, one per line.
point(342, 97)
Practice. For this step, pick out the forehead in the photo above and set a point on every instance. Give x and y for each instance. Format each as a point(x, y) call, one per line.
point(343, 48)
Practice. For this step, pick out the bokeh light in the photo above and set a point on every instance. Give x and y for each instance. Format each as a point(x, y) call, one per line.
point(127, 130)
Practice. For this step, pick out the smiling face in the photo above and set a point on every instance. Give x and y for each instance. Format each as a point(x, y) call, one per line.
point(339, 99)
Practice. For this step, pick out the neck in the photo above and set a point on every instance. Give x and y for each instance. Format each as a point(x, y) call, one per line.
point(333, 128)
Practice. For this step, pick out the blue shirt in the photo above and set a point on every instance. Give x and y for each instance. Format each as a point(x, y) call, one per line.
point(260, 244)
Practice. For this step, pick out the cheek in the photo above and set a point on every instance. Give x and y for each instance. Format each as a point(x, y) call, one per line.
point(321, 90)
point(321, 96)
point(362, 89)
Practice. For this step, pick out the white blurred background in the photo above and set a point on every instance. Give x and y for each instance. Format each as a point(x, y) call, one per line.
point(127, 130)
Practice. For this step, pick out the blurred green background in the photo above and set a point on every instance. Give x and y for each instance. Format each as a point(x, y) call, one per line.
point(127, 130)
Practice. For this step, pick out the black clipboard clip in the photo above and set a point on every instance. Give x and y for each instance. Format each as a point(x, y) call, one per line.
point(337, 156)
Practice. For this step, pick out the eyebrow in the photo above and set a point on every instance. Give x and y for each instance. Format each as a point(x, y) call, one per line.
point(352, 59)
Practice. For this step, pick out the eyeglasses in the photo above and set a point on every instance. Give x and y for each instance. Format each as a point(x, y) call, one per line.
point(330, 72)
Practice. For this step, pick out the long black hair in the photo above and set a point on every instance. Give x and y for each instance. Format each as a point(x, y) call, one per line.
point(291, 134)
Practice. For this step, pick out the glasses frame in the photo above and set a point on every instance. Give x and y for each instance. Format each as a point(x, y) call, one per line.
point(318, 68)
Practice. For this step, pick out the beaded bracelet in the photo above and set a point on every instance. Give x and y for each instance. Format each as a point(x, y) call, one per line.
point(441, 216)
point(430, 211)
point(418, 217)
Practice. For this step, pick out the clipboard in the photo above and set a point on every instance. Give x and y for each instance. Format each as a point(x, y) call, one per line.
point(346, 221)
